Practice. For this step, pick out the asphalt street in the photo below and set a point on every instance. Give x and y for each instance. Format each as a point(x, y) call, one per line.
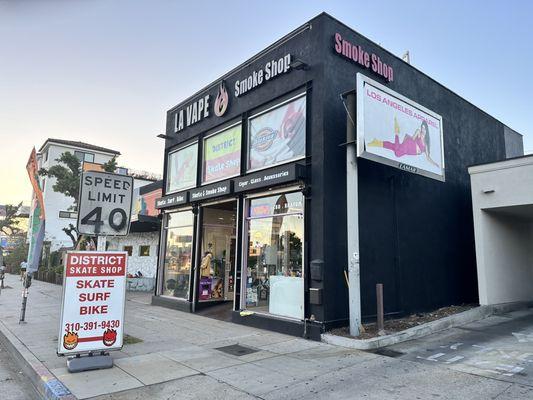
point(13, 384)
point(499, 347)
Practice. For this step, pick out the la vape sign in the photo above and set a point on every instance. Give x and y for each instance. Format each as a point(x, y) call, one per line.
point(199, 109)
point(271, 70)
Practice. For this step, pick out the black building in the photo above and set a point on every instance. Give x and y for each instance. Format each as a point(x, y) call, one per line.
point(255, 189)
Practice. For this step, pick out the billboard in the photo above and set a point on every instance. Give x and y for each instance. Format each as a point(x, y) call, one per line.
point(94, 293)
point(222, 155)
point(277, 136)
point(394, 130)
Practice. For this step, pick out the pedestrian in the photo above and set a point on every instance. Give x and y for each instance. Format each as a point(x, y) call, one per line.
point(23, 266)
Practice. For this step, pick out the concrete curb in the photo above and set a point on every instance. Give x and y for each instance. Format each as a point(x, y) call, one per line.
point(416, 332)
point(48, 386)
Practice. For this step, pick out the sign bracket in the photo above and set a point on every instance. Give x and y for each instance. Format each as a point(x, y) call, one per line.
point(88, 362)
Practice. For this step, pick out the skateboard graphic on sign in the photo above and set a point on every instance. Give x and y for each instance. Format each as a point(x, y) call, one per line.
point(71, 339)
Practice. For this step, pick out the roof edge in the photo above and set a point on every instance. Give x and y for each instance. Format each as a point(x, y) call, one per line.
point(81, 145)
point(512, 162)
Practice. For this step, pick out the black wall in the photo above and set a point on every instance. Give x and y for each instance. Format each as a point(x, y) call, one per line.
point(304, 44)
point(416, 233)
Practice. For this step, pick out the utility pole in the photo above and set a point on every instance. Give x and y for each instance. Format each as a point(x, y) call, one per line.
point(352, 216)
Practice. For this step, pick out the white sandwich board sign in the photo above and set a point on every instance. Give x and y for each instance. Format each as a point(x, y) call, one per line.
point(94, 293)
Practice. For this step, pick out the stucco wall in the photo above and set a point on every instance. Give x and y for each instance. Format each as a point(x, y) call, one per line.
point(502, 199)
point(505, 268)
point(514, 144)
point(146, 264)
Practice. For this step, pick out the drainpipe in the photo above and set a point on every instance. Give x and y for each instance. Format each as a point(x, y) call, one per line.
point(352, 215)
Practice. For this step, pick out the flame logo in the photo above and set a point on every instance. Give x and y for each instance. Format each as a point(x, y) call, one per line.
point(110, 337)
point(70, 340)
point(222, 100)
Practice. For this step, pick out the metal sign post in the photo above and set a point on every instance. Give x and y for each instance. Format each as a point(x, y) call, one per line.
point(101, 243)
point(2, 275)
point(25, 286)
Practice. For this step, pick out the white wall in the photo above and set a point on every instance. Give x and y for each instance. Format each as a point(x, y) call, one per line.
point(138, 183)
point(511, 182)
point(506, 274)
point(502, 200)
point(147, 265)
point(55, 202)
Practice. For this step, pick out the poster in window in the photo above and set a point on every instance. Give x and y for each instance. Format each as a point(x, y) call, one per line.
point(277, 136)
point(182, 168)
point(396, 131)
point(222, 155)
point(286, 203)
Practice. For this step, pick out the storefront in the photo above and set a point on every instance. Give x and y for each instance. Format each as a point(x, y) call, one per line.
point(234, 220)
point(255, 202)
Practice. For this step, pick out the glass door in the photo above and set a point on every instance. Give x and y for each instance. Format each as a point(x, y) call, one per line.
point(217, 259)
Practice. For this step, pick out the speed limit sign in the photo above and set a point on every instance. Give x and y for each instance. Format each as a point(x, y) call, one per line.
point(105, 204)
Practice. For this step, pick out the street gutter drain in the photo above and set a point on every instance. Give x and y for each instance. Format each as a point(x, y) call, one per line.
point(236, 350)
point(388, 353)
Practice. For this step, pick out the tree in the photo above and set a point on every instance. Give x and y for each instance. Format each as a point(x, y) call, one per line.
point(9, 224)
point(9, 221)
point(17, 255)
point(111, 165)
point(67, 175)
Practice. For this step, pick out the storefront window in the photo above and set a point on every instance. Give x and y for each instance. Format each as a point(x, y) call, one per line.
point(129, 250)
point(274, 274)
point(178, 254)
point(181, 168)
point(144, 251)
point(222, 155)
point(277, 136)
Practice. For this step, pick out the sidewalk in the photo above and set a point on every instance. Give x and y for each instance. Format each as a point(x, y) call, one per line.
point(174, 345)
point(178, 359)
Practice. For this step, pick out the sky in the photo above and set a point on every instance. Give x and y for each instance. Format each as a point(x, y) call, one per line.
point(106, 71)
